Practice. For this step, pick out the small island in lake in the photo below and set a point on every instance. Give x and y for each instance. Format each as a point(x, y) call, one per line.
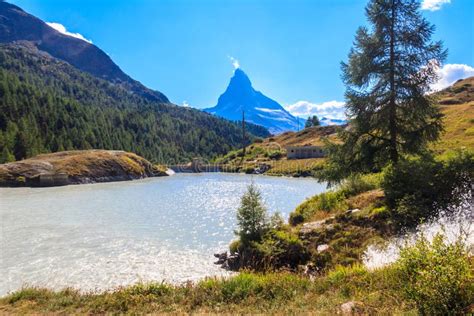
point(76, 167)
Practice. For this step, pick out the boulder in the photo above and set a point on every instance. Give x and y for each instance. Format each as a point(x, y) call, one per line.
point(352, 308)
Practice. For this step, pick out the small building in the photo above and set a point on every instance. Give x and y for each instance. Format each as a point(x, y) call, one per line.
point(301, 152)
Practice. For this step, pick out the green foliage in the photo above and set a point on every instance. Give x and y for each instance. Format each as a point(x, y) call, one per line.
point(418, 188)
point(437, 276)
point(389, 72)
point(251, 216)
point(274, 154)
point(312, 121)
point(47, 105)
point(326, 202)
point(276, 221)
point(235, 246)
point(278, 248)
point(358, 183)
point(245, 293)
point(6, 156)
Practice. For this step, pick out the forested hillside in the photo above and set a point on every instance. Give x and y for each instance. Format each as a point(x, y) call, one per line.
point(47, 105)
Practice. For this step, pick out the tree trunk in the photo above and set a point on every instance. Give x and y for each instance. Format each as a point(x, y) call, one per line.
point(392, 104)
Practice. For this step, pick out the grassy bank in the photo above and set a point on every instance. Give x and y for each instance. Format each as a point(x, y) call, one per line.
point(374, 292)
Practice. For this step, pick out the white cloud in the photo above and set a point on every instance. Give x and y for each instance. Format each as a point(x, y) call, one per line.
point(329, 109)
point(433, 5)
point(62, 29)
point(234, 62)
point(185, 104)
point(450, 73)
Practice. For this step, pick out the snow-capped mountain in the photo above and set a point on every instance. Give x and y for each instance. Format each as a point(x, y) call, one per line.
point(259, 109)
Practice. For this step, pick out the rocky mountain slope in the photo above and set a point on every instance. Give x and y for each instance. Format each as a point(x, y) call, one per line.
point(240, 97)
point(18, 25)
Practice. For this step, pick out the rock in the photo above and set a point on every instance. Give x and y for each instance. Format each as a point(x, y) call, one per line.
point(77, 167)
point(222, 257)
point(309, 227)
point(352, 308)
point(232, 262)
point(350, 212)
point(322, 248)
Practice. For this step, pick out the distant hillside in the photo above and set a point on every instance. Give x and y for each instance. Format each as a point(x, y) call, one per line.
point(47, 105)
point(18, 25)
point(259, 109)
point(311, 136)
point(457, 104)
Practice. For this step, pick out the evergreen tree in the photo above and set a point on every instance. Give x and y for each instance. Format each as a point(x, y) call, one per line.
point(387, 77)
point(251, 216)
point(312, 121)
point(6, 156)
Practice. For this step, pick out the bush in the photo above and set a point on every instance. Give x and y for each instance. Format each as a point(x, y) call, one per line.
point(275, 154)
point(418, 188)
point(280, 248)
point(436, 276)
point(324, 202)
point(358, 183)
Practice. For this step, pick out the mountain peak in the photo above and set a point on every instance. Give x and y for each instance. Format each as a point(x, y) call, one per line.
point(259, 109)
point(240, 80)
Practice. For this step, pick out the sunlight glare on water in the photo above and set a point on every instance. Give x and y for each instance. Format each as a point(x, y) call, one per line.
point(100, 236)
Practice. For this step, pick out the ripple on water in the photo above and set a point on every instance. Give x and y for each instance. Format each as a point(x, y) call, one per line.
point(100, 236)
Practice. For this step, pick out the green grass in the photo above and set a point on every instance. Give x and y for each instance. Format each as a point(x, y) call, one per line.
point(431, 277)
point(245, 293)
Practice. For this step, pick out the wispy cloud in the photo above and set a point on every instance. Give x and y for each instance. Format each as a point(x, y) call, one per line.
point(234, 62)
point(433, 5)
point(450, 73)
point(329, 109)
point(62, 29)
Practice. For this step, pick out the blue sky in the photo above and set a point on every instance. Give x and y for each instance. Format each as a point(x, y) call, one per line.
point(291, 49)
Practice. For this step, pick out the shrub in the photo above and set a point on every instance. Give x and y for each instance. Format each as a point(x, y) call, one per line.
point(324, 202)
point(436, 276)
point(235, 246)
point(275, 154)
point(280, 248)
point(418, 188)
point(358, 183)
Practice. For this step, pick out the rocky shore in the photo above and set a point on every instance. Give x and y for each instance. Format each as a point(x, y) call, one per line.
point(77, 167)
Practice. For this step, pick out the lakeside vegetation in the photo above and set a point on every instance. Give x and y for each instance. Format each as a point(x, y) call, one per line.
point(387, 178)
point(406, 287)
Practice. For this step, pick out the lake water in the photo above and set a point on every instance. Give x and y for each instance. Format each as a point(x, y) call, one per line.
point(100, 236)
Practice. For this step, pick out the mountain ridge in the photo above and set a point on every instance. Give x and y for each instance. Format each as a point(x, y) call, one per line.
point(18, 25)
point(48, 105)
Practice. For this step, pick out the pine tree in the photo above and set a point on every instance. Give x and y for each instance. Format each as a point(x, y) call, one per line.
point(312, 121)
point(251, 216)
point(6, 156)
point(387, 77)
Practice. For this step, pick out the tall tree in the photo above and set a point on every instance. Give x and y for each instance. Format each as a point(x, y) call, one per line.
point(312, 121)
point(387, 77)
